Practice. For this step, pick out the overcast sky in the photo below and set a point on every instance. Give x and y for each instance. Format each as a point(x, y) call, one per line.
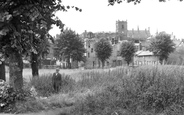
point(97, 16)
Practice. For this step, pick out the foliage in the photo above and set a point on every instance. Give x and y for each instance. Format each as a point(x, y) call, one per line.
point(127, 51)
point(112, 2)
point(44, 87)
point(23, 26)
point(103, 50)
point(162, 46)
point(70, 45)
point(177, 57)
point(32, 105)
point(144, 90)
point(9, 97)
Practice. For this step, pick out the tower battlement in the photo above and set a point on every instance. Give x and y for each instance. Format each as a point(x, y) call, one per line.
point(121, 27)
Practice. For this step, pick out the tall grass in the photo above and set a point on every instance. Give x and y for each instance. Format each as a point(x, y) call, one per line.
point(146, 90)
point(142, 90)
point(44, 86)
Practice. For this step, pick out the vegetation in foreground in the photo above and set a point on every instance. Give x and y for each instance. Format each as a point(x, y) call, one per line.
point(144, 90)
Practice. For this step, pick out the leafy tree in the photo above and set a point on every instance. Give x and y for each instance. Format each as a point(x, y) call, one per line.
point(162, 46)
point(69, 46)
point(127, 51)
point(42, 51)
point(103, 50)
point(23, 25)
point(177, 57)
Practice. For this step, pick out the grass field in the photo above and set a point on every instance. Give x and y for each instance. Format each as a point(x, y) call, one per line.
point(146, 90)
point(74, 73)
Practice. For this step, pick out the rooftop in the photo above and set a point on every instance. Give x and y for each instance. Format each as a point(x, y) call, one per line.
point(143, 34)
point(144, 53)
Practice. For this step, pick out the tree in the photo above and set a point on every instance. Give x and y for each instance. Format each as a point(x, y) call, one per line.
point(177, 57)
point(112, 2)
point(127, 51)
point(42, 51)
point(103, 50)
point(20, 22)
point(69, 46)
point(2, 68)
point(162, 46)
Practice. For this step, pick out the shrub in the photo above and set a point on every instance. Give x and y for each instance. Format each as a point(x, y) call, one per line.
point(9, 97)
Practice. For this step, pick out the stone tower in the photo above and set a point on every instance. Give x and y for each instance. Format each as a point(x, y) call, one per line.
point(121, 27)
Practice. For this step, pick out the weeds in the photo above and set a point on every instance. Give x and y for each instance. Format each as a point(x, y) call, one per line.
point(140, 90)
point(147, 90)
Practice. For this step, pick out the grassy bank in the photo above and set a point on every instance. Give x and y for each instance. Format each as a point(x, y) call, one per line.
point(145, 90)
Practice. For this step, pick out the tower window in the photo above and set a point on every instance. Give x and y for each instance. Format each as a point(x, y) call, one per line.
point(123, 27)
point(88, 54)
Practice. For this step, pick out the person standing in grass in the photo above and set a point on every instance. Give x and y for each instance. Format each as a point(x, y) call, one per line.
point(56, 80)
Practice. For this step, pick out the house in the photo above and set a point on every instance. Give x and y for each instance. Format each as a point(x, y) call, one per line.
point(145, 58)
point(93, 62)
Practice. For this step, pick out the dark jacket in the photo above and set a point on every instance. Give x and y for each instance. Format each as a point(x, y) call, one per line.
point(56, 79)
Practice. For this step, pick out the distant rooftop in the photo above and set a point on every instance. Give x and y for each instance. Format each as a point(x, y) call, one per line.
point(142, 34)
point(144, 53)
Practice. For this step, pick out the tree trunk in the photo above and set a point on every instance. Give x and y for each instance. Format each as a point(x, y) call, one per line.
point(161, 62)
point(128, 63)
point(2, 71)
point(103, 63)
point(16, 68)
point(34, 65)
point(68, 63)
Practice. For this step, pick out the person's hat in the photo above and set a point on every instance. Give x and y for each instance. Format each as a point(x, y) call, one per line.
point(57, 69)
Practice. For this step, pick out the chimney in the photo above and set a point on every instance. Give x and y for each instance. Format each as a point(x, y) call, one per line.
point(137, 28)
point(157, 32)
point(85, 33)
point(149, 29)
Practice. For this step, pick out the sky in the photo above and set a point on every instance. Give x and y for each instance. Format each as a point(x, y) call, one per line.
point(97, 16)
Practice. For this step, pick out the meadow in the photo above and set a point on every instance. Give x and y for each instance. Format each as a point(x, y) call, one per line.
point(74, 73)
point(145, 90)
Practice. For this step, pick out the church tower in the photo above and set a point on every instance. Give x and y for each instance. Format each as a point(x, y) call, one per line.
point(121, 27)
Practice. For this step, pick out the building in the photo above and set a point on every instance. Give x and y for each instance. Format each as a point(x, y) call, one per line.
point(122, 34)
point(145, 58)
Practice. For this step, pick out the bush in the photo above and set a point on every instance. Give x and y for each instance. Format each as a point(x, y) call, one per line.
point(9, 97)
